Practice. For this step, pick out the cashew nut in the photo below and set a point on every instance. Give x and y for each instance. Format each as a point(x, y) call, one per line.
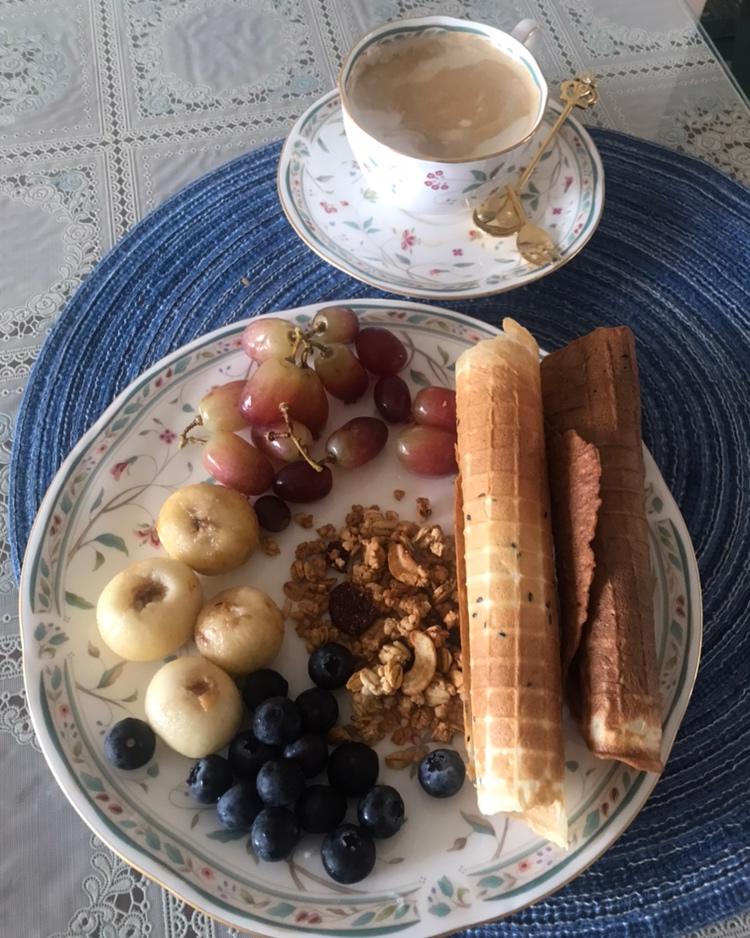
point(404, 567)
point(425, 662)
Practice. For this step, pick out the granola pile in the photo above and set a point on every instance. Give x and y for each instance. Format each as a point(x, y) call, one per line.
point(386, 589)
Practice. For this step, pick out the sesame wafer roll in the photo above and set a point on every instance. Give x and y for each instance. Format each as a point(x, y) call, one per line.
point(513, 653)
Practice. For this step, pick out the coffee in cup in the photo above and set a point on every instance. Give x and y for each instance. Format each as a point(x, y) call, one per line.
point(445, 95)
point(439, 112)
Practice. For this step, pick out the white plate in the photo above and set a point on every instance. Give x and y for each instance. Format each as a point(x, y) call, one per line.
point(448, 868)
point(332, 209)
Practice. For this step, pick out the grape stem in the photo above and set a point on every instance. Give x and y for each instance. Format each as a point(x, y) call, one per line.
point(284, 408)
point(299, 339)
point(303, 339)
point(185, 437)
point(307, 347)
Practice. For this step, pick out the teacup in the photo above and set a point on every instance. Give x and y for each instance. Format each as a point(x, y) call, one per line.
point(440, 185)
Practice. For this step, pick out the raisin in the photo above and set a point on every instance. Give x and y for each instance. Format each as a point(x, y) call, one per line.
point(351, 608)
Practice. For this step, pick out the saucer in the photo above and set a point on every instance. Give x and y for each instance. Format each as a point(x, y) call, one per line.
point(336, 213)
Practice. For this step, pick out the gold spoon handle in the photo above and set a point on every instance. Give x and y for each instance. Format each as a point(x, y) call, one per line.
point(526, 175)
point(517, 205)
point(576, 92)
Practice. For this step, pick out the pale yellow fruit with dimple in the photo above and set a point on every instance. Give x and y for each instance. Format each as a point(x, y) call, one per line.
point(240, 629)
point(193, 706)
point(211, 528)
point(149, 609)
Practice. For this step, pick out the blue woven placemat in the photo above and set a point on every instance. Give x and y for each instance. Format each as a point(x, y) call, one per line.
point(672, 260)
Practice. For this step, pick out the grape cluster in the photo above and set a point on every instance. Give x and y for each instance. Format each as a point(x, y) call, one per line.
point(285, 404)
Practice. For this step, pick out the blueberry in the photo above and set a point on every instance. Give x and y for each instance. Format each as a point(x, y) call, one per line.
point(442, 773)
point(247, 755)
point(348, 854)
point(321, 808)
point(280, 782)
point(277, 721)
point(381, 811)
point(274, 834)
point(261, 685)
point(129, 744)
point(330, 666)
point(353, 768)
point(273, 514)
point(238, 807)
point(319, 710)
point(209, 778)
point(310, 752)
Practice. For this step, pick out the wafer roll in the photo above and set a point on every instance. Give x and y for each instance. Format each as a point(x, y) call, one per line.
point(575, 477)
point(591, 386)
point(509, 611)
point(463, 620)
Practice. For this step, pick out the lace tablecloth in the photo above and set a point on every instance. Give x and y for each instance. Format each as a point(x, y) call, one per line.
point(107, 107)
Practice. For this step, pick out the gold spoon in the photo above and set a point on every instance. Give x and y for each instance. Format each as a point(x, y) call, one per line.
point(497, 214)
point(533, 243)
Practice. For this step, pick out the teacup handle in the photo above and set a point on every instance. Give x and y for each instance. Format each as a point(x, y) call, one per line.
point(524, 31)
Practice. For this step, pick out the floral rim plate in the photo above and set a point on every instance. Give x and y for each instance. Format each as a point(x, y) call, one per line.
point(331, 207)
point(98, 516)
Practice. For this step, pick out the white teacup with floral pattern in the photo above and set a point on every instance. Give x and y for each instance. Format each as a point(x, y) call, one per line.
point(440, 187)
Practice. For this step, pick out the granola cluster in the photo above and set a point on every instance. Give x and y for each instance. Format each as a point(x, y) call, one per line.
point(386, 589)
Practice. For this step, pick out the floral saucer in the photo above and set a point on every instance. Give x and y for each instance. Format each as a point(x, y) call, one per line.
point(330, 206)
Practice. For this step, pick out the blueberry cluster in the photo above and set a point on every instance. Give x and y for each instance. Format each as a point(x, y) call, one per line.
point(263, 785)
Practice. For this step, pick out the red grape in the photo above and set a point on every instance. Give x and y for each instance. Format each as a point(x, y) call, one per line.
point(357, 442)
point(299, 482)
point(275, 441)
point(336, 324)
point(268, 338)
point(380, 351)
point(341, 373)
point(273, 514)
point(427, 451)
point(280, 381)
point(220, 408)
point(436, 407)
point(236, 464)
point(392, 398)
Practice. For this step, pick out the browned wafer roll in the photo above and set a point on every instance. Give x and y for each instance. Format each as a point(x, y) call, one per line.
point(591, 386)
point(575, 478)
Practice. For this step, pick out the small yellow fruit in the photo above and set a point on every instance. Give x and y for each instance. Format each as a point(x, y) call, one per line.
point(194, 706)
point(149, 609)
point(211, 528)
point(240, 629)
